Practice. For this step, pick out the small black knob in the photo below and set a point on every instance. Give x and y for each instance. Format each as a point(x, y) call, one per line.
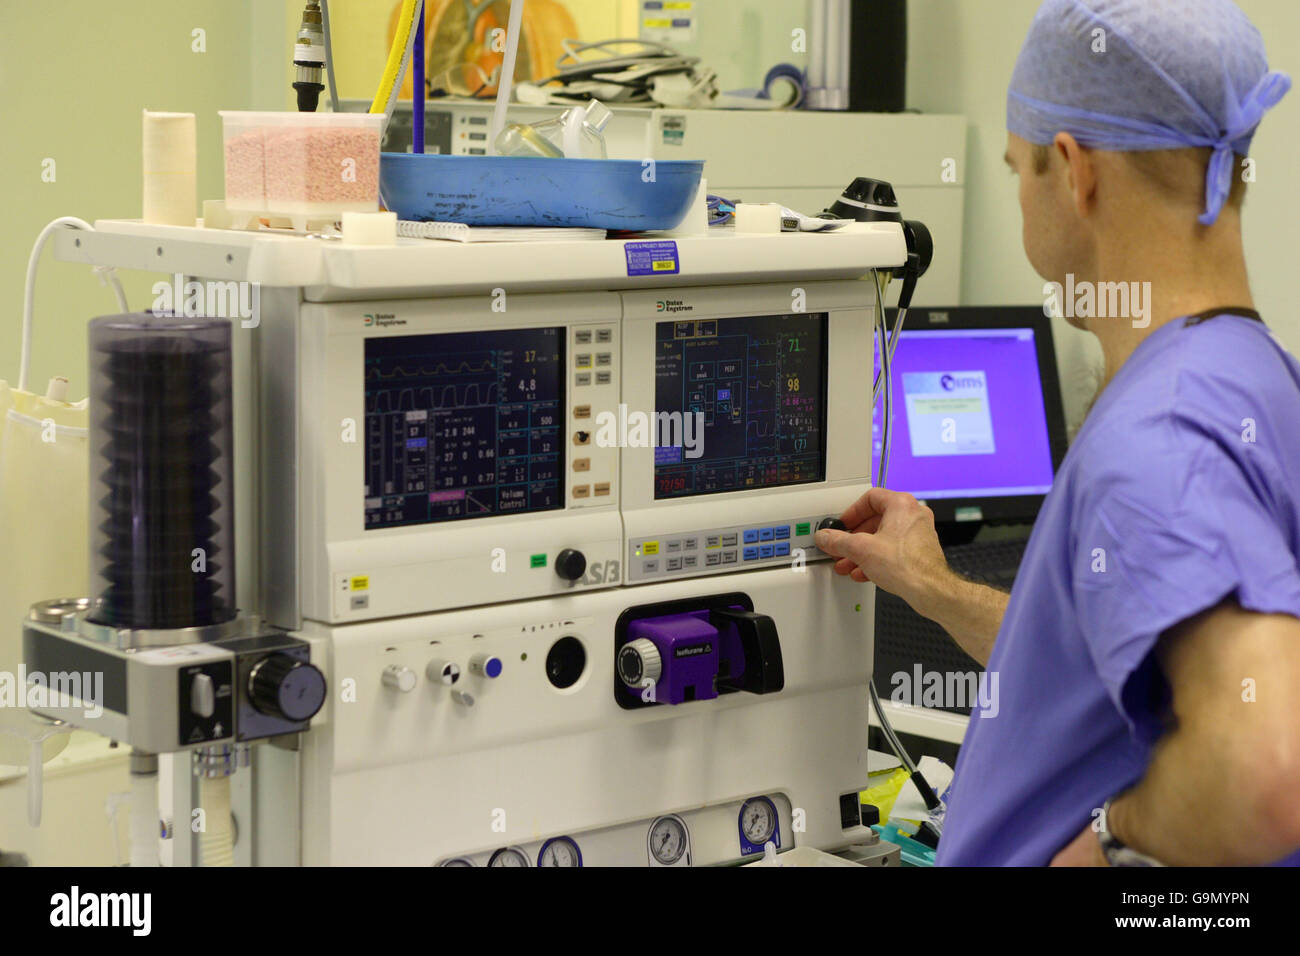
point(286, 687)
point(570, 564)
point(831, 524)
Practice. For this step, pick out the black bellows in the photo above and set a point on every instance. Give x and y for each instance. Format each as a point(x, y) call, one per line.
point(161, 471)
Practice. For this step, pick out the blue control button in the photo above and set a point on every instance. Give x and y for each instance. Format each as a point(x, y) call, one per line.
point(751, 536)
point(782, 532)
point(751, 554)
point(782, 549)
point(765, 551)
point(765, 534)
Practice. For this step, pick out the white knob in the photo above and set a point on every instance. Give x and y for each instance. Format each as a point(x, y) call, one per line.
point(462, 698)
point(639, 663)
point(399, 678)
point(443, 672)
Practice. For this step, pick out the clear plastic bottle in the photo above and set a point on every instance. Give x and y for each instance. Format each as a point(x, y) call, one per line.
point(577, 133)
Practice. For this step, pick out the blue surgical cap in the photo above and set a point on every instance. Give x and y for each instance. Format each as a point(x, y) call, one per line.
point(1133, 75)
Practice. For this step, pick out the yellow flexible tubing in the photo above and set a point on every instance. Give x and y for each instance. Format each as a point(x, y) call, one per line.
point(393, 69)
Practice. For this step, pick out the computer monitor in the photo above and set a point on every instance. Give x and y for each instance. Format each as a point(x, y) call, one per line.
point(978, 429)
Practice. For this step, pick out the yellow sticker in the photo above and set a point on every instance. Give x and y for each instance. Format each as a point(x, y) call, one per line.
point(360, 583)
point(663, 265)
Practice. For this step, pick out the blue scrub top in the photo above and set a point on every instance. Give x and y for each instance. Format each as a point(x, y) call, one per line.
point(1182, 489)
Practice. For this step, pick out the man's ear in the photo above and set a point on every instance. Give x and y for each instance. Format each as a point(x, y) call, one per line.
point(1081, 172)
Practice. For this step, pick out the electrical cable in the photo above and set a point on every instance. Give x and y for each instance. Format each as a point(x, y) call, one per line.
point(887, 344)
point(329, 56)
point(29, 289)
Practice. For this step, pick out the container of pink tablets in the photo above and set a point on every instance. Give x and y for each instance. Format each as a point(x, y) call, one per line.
point(303, 170)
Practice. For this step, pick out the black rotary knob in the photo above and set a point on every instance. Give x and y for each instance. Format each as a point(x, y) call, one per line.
point(570, 564)
point(286, 687)
point(831, 524)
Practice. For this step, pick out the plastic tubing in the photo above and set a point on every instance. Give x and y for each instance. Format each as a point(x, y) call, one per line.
point(391, 82)
point(217, 844)
point(507, 74)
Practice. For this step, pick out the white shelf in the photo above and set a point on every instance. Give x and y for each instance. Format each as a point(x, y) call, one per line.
point(328, 270)
point(924, 722)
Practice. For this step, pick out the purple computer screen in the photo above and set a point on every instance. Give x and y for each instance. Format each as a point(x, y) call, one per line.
point(968, 415)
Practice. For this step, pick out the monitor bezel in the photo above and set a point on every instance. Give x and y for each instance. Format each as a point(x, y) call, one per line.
point(997, 509)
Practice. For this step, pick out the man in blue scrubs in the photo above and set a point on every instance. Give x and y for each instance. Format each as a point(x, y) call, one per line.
point(1149, 653)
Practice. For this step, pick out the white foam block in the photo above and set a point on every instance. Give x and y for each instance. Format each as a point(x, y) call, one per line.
point(370, 228)
point(763, 218)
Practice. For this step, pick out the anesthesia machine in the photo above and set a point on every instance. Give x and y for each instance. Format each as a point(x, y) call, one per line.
point(483, 554)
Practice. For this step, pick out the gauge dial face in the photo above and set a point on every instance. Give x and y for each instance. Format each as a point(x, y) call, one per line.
point(758, 820)
point(508, 856)
point(668, 840)
point(561, 851)
point(458, 861)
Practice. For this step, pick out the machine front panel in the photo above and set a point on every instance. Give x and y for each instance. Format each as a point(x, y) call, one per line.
point(582, 766)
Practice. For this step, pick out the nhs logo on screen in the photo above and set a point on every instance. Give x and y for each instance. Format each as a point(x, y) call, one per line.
point(948, 413)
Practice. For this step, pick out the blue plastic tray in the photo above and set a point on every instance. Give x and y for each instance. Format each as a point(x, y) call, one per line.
point(528, 191)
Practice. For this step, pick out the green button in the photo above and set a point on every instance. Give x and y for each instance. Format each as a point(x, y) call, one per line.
point(802, 528)
point(537, 561)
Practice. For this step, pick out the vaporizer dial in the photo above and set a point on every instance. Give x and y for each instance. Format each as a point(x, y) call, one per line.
point(639, 663)
point(286, 687)
point(758, 820)
point(561, 851)
point(508, 856)
point(667, 840)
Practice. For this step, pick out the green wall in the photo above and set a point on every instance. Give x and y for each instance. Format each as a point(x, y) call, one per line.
point(75, 76)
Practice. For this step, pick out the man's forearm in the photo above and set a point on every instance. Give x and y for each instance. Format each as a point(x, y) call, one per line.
point(1165, 814)
point(971, 613)
point(1244, 750)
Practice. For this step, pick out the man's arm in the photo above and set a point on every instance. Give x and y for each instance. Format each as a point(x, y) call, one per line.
point(1221, 787)
point(892, 542)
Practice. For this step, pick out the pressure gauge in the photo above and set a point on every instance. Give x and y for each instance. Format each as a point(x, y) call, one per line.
point(457, 861)
point(667, 840)
point(757, 820)
point(508, 856)
point(561, 851)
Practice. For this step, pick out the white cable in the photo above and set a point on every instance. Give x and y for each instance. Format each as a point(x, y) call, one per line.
point(29, 289)
point(329, 55)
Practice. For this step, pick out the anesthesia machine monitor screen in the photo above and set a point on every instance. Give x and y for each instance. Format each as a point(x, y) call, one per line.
point(740, 403)
point(463, 425)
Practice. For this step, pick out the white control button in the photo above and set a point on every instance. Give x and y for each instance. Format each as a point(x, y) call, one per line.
point(203, 699)
point(399, 678)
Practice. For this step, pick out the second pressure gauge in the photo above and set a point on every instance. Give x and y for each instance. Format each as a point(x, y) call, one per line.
point(668, 840)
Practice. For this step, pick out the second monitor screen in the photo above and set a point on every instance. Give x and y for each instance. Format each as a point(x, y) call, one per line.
point(757, 386)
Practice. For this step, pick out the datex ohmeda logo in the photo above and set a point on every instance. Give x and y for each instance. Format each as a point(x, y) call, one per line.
point(383, 319)
point(673, 305)
point(132, 910)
